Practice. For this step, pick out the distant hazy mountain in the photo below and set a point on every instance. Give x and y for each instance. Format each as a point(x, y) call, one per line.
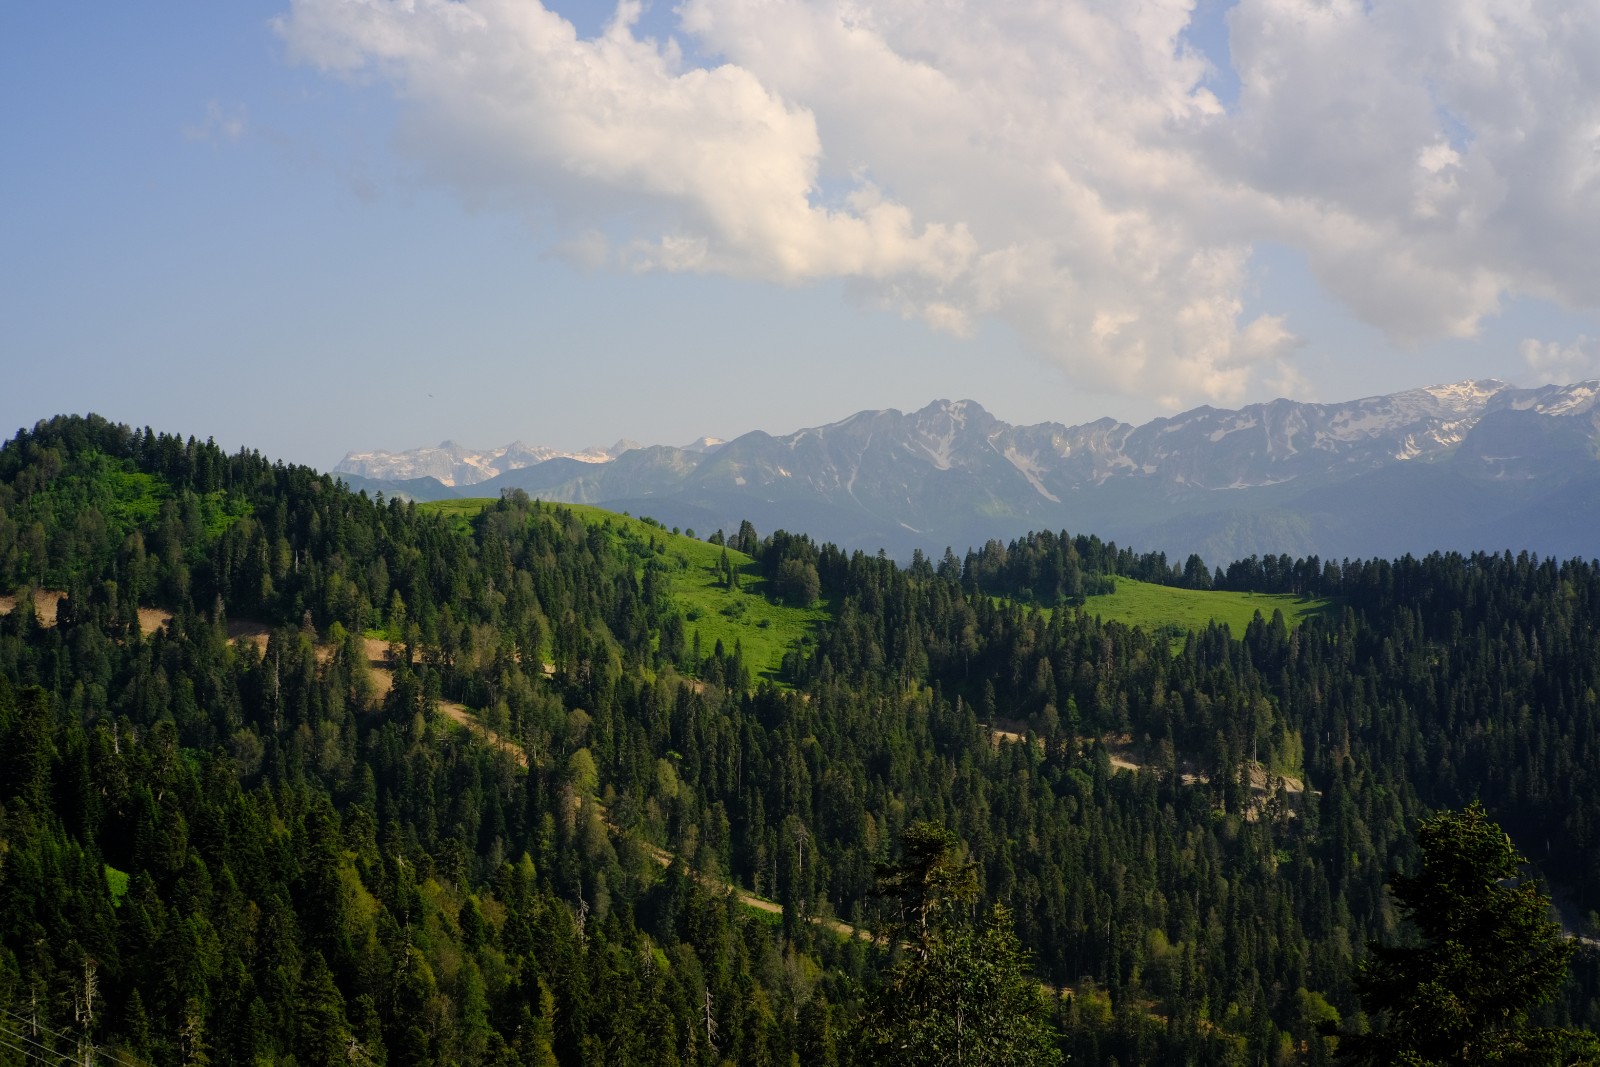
point(453, 464)
point(704, 444)
point(1478, 464)
point(405, 488)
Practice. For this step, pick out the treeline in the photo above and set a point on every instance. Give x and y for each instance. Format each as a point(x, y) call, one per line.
point(1049, 569)
point(319, 869)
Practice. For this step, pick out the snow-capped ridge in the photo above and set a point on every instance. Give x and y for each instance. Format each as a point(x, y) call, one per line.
point(454, 464)
point(704, 445)
point(957, 474)
point(1575, 399)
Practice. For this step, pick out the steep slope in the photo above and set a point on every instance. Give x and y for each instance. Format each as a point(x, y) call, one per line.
point(270, 850)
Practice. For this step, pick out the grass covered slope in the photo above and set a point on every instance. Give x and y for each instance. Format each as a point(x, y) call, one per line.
point(741, 614)
point(1175, 611)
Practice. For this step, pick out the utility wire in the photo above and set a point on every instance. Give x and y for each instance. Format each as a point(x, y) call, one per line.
point(30, 1054)
point(62, 1035)
point(33, 1024)
point(11, 1031)
point(29, 1024)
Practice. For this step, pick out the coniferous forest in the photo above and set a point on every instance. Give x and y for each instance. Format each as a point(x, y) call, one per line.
point(542, 824)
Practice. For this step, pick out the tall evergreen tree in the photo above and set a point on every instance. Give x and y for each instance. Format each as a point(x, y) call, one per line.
point(962, 995)
point(1489, 954)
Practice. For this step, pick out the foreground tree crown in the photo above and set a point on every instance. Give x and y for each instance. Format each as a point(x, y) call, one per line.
point(962, 994)
point(1489, 953)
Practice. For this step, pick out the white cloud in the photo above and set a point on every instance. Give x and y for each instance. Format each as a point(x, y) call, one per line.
point(1431, 156)
point(1575, 361)
point(1061, 167)
point(510, 107)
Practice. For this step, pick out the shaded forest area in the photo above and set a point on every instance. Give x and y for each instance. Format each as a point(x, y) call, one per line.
point(248, 851)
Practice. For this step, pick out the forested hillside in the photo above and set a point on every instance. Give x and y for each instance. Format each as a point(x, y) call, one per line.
point(227, 836)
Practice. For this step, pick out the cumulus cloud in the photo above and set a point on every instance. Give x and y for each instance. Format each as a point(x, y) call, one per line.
point(511, 107)
point(1430, 156)
point(1060, 167)
point(1555, 361)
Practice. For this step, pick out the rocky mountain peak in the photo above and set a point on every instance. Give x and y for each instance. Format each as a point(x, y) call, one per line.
point(1371, 475)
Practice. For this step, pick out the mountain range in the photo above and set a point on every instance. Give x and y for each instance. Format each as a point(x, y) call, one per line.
point(452, 464)
point(1472, 465)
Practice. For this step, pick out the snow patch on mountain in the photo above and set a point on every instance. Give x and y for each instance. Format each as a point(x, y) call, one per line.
point(704, 445)
point(455, 464)
point(937, 447)
point(1571, 400)
point(1450, 434)
point(1028, 466)
point(1467, 394)
point(1234, 426)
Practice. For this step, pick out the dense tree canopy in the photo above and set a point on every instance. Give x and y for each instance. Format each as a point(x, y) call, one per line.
point(261, 846)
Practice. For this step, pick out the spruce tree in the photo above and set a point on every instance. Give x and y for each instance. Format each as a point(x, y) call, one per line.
point(961, 995)
point(1489, 953)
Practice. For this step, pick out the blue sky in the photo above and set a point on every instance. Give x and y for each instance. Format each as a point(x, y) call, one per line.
point(342, 224)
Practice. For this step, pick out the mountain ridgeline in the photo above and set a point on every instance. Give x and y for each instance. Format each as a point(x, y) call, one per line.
point(289, 775)
point(1477, 465)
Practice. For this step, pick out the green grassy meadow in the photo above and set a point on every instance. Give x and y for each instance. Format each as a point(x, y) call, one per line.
point(766, 630)
point(744, 615)
point(117, 883)
point(462, 511)
point(1163, 608)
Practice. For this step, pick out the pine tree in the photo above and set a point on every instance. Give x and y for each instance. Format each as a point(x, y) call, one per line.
point(962, 995)
point(1489, 954)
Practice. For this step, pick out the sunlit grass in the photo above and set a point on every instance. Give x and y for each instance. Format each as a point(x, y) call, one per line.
point(1176, 612)
point(117, 884)
point(741, 616)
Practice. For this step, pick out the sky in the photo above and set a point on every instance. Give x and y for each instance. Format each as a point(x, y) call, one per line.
point(316, 226)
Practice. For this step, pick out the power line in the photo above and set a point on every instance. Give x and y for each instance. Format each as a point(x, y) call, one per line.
point(12, 1031)
point(18, 1048)
point(63, 1036)
point(36, 1025)
point(29, 1053)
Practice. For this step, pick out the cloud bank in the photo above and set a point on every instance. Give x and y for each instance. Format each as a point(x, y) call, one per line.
point(1061, 167)
point(1553, 361)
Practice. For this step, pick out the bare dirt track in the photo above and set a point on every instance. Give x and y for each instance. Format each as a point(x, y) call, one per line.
point(1122, 757)
point(378, 654)
point(47, 601)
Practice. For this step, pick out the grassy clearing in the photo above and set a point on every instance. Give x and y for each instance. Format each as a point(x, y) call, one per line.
point(1176, 612)
point(742, 615)
point(117, 884)
point(462, 511)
